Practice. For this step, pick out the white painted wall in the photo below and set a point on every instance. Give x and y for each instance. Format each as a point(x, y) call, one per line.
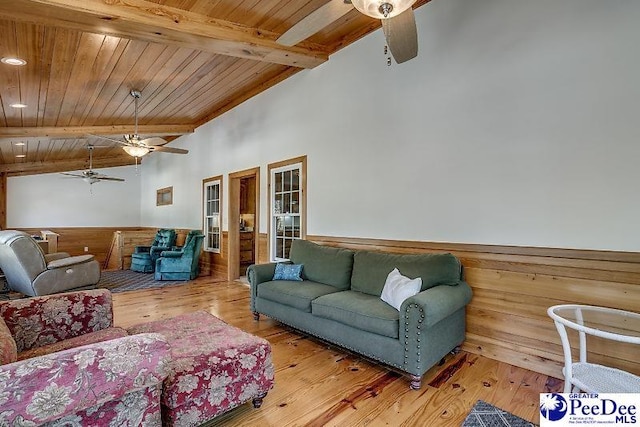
point(517, 124)
point(53, 200)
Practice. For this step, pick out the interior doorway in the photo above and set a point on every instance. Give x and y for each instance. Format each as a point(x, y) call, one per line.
point(244, 211)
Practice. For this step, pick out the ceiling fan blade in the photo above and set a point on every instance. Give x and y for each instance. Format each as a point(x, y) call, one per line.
point(314, 22)
point(75, 175)
point(402, 36)
point(117, 141)
point(109, 178)
point(154, 140)
point(169, 149)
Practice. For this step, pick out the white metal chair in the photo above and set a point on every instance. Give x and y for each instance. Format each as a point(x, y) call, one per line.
point(617, 325)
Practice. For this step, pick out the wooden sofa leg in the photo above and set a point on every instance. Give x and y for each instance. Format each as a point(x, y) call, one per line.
point(256, 316)
point(257, 401)
point(416, 382)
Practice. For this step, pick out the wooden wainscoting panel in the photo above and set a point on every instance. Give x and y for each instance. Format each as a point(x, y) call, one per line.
point(123, 244)
point(562, 290)
point(513, 287)
point(525, 331)
point(511, 303)
point(263, 251)
point(216, 264)
point(523, 357)
point(414, 246)
point(74, 239)
point(567, 271)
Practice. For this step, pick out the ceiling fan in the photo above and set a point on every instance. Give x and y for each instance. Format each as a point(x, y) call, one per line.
point(90, 176)
point(136, 146)
point(398, 24)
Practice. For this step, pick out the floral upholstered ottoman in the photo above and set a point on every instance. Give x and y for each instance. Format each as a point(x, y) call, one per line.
point(215, 367)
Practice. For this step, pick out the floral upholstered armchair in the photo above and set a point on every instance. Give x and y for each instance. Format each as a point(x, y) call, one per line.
point(62, 362)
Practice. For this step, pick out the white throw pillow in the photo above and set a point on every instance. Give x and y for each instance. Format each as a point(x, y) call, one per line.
point(398, 288)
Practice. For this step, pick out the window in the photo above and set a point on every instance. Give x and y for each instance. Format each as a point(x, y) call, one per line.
point(164, 196)
point(287, 206)
point(212, 196)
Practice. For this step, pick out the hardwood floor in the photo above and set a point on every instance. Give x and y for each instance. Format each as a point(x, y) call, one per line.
point(317, 384)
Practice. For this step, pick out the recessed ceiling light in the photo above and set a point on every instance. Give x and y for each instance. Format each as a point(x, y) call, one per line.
point(13, 61)
point(19, 144)
point(21, 155)
point(18, 105)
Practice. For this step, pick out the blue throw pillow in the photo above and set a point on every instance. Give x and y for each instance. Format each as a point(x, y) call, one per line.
point(288, 272)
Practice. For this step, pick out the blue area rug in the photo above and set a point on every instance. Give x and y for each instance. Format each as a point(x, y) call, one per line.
point(484, 414)
point(127, 280)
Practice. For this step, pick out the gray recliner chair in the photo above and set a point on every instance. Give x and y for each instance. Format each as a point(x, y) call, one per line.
point(29, 271)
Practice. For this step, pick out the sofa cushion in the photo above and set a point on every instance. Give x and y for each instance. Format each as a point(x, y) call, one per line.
point(86, 339)
point(398, 288)
point(294, 294)
point(288, 272)
point(358, 310)
point(323, 264)
point(370, 270)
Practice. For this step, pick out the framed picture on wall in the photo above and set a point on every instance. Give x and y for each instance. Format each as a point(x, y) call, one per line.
point(164, 196)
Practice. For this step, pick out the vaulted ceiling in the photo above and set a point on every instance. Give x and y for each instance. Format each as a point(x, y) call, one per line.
point(192, 60)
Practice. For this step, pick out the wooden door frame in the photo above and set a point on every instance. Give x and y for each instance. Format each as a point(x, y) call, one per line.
point(233, 244)
point(3, 201)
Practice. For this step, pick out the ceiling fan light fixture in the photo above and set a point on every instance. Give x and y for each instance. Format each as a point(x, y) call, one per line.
point(136, 151)
point(378, 8)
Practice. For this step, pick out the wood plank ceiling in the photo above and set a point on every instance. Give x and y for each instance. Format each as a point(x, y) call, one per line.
point(191, 59)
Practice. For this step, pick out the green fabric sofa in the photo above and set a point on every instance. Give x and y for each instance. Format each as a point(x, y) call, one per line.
point(338, 300)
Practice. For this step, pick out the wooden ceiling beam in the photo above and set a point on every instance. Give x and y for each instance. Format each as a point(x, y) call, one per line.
point(148, 21)
point(33, 168)
point(81, 131)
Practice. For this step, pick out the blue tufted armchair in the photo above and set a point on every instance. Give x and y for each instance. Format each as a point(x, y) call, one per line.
point(143, 258)
point(181, 264)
